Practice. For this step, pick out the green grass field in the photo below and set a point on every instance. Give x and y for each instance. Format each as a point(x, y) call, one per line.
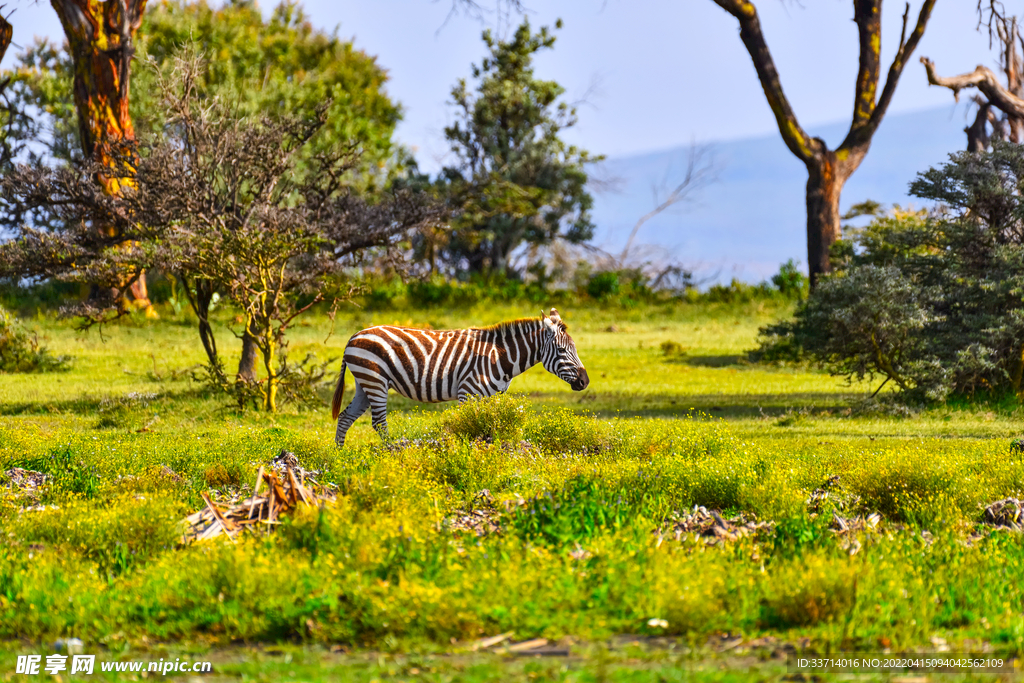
point(586, 488)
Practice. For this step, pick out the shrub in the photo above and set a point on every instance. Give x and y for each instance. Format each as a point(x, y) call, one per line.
point(808, 592)
point(602, 286)
point(21, 352)
point(580, 510)
point(790, 282)
point(431, 292)
point(563, 431)
point(863, 323)
point(932, 303)
point(498, 418)
point(120, 535)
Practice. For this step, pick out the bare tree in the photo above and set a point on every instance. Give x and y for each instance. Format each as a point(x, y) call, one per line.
point(1003, 31)
point(699, 172)
point(828, 170)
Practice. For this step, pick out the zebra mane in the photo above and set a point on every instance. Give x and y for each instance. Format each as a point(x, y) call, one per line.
point(502, 326)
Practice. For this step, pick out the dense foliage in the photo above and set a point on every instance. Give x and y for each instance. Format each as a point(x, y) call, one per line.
point(515, 181)
point(21, 351)
point(247, 208)
point(257, 67)
point(934, 303)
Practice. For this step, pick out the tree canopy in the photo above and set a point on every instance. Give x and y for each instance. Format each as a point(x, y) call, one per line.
point(514, 179)
point(275, 67)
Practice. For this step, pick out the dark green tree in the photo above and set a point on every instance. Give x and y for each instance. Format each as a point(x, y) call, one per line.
point(274, 67)
point(514, 181)
point(933, 302)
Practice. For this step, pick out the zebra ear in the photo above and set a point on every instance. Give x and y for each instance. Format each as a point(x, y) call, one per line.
point(554, 316)
point(543, 315)
point(549, 325)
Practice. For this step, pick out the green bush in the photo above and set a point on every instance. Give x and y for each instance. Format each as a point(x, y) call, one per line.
point(603, 286)
point(21, 352)
point(807, 592)
point(863, 323)
point(790, 282)
point(126, 532)
point(583, 508)
point(931, 302)
point(498, 418)
point(563, 431)
point(429, 293)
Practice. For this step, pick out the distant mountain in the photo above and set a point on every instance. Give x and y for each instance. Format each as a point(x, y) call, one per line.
point(753, 218)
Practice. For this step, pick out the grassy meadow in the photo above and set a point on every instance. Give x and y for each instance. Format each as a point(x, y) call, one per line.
point(590, 494)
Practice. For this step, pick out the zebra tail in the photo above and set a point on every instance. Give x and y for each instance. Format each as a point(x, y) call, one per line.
point(339, 393)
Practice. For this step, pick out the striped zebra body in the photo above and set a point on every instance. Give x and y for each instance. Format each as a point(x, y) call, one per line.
point(445, 365)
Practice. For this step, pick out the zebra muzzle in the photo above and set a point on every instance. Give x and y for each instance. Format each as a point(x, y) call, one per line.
point(582, 380)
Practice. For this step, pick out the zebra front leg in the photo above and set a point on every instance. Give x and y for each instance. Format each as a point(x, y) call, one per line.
point(356, 408)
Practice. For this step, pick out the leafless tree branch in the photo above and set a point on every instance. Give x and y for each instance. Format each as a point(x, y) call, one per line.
point(700, 171)
point(982, 78)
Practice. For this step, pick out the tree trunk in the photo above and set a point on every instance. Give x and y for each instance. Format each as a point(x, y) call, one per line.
point(247, 363)
point(200, 301)
point(101, 41)
point(1017, 372)
point(6, 34)
point(270, 404)
point(977, 133)
point(824, 187)
point(828, 170)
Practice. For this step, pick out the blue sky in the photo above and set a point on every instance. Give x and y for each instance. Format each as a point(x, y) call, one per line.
point(655, 76)
point(655, 73)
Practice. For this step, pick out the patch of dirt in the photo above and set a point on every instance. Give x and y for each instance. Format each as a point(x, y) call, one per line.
point(710, 527)
point(831, 494)
point(1007, 513)
point(25, 481)
point(483, 515)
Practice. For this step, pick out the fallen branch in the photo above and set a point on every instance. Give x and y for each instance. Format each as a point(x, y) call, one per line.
point(283, 496)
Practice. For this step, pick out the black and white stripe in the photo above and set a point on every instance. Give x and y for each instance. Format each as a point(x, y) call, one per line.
point(444, 365)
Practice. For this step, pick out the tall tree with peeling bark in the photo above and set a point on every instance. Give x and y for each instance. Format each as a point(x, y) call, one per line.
point(6, 34)
point(14, 122)
point(101, 38)
point(829, 169)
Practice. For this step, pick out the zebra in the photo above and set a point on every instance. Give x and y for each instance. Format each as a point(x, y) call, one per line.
point(432, 366)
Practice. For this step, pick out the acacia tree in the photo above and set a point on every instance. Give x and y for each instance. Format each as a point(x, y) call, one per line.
point(828, 169)
point(225, 203)
point(273, 66)
point(101, 40)
point(515, 180)
point(6, 34)
point(1004, 31)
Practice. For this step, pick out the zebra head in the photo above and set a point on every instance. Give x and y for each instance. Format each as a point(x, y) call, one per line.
point(558, 354)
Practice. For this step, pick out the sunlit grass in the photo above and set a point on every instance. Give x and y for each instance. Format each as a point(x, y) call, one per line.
point(580, 481)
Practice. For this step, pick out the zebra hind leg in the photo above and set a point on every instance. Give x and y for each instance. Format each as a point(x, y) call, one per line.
point(356, 408)
point(379, 415)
